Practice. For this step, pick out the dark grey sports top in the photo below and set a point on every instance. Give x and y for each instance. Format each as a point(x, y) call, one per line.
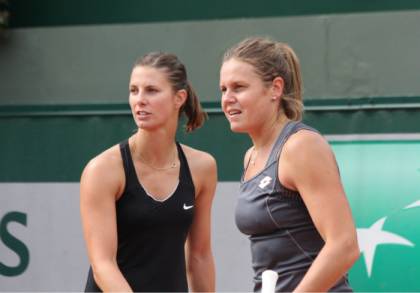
point(283, 236)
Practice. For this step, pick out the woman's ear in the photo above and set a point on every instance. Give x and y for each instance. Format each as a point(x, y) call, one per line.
point(180, 98)
point(277, 87)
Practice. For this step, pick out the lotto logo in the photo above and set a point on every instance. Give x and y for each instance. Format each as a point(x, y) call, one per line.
point(264, 182)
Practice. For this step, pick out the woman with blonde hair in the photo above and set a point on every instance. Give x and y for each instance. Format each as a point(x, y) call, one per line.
point(291, 202)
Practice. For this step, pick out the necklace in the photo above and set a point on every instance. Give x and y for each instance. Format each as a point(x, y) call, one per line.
point(253, 157)
point(171, 166)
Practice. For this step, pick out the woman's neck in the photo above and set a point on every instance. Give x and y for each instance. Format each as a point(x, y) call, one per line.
point(156, 148)
point(264, 138)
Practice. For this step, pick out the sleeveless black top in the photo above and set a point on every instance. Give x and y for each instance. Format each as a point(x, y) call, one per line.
point(283, 236)
point(152, 234)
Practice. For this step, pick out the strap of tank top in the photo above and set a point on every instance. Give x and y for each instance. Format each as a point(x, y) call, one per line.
point(290, 128)
point(184, 169)
point(284, 134)
point(127, 162)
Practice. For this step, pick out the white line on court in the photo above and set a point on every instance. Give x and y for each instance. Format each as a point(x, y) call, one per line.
point(367, 137)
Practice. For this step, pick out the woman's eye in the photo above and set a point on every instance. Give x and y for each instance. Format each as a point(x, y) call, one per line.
point(151, 90)
point(133, 91)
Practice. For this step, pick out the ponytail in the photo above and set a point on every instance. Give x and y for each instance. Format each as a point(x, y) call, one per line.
point(193, 110)
point(291, 101)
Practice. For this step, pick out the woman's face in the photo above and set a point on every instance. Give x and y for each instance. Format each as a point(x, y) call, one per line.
point(246, 99)
point(152, 100)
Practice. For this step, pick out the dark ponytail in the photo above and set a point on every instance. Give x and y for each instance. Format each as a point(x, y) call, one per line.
point(192, 109)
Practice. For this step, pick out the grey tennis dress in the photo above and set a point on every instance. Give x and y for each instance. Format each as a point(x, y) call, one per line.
point(283, 236)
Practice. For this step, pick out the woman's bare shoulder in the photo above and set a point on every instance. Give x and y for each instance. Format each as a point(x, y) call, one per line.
point(110, 159)
point(305, 142)
point(104, 174)
point(198, 159)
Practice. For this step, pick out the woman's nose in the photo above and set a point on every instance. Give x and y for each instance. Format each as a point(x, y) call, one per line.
point(228, 97)
point(141, 99)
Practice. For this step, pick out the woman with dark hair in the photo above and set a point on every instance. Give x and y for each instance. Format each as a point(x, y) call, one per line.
point(291, 201)
point(146, 203)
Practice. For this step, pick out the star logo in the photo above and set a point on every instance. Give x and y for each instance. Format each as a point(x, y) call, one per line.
point(370, 238)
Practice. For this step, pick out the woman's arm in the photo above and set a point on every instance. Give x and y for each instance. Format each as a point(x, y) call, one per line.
point(199, 257)
point(308, 165)
point(99, 186)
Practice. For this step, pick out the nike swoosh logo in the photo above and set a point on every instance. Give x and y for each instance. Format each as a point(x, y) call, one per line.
point(187, 207)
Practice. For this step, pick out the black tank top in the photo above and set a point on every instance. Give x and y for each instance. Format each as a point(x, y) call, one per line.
point(152, 234)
